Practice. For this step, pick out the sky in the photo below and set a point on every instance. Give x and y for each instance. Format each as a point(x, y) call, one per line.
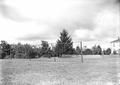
point(36, 20)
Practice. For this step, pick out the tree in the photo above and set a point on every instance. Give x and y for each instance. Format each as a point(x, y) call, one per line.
point(29, 51)
point(0, 52)
point(32, 54)
point(45, 50)
point(12, 52)
point(64, 44)
point(97, 50)
point(19, 51)
point(87, 51)
point(38, 51)
point(5, 48)
point(78, 50)
point(107, 51)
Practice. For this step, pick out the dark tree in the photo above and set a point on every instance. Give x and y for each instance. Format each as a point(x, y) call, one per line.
point(29, 51)
point(64, 44)
point(97, 50)
point(12, 53)
point(5, 48)
point(19, 51)
point(45, 50)
point(32, 54)
point(107, 51)
point(78, 50)
point(87, 51)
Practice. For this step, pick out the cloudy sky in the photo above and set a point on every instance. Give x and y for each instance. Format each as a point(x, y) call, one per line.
point(35, 20)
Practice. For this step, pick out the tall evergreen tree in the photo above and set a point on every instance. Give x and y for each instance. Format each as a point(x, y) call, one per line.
point(64, 44)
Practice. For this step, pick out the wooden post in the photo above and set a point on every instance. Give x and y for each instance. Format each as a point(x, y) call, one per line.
point(119, 49)
point(81, 52)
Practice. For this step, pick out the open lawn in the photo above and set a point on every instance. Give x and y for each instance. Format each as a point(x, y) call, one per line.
point(104, 70)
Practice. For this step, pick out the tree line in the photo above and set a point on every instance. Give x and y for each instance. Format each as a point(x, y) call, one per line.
point(64, 46)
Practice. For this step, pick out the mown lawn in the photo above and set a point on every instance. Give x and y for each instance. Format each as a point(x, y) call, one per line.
point(65, 71)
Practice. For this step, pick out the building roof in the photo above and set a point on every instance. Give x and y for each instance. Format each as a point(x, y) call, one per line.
point(115, 41)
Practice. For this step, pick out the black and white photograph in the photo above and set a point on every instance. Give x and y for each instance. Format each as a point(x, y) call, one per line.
point(59, 42)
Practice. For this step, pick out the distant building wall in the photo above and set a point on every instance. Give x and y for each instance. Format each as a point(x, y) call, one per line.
point(116, 47)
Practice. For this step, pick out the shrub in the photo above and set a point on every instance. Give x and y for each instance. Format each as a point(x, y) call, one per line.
point(20, 55)
point(87, 52)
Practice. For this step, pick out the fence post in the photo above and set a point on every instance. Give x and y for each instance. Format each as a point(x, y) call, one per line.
point(81, 52)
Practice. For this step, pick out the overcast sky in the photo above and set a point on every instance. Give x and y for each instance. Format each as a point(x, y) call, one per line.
point(35, 20)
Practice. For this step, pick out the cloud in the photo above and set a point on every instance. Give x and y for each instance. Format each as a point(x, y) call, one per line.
point(36, 37)
point(55, 11)
point(44, 19)
point(108, 23)
point(10, 12)
point(44, 35)
point(106, 26)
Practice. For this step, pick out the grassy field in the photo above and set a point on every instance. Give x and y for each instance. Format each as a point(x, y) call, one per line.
point(103, 70)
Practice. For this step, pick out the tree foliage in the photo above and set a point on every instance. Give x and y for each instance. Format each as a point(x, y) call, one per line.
point(5, 49)
point(97, 50)
point(78, 50)
point(87, 52)
point(64, 44)
point(45, 49)
point(107, 51)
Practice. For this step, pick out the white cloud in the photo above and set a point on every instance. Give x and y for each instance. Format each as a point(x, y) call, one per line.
point(106, 27)
point(107, 24)
point(83, 34)
point(43, 10)
point(44, 19)
point(11, 30)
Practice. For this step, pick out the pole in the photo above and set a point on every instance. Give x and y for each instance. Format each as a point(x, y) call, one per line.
point(119, 49)
point(81, 52)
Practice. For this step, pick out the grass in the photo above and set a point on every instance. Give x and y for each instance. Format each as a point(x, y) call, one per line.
point(65, 71)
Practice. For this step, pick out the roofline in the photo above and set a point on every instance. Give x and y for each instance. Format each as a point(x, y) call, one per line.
point(115, 41)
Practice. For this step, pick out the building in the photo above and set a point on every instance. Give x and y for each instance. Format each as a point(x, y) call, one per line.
point(116, 46)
